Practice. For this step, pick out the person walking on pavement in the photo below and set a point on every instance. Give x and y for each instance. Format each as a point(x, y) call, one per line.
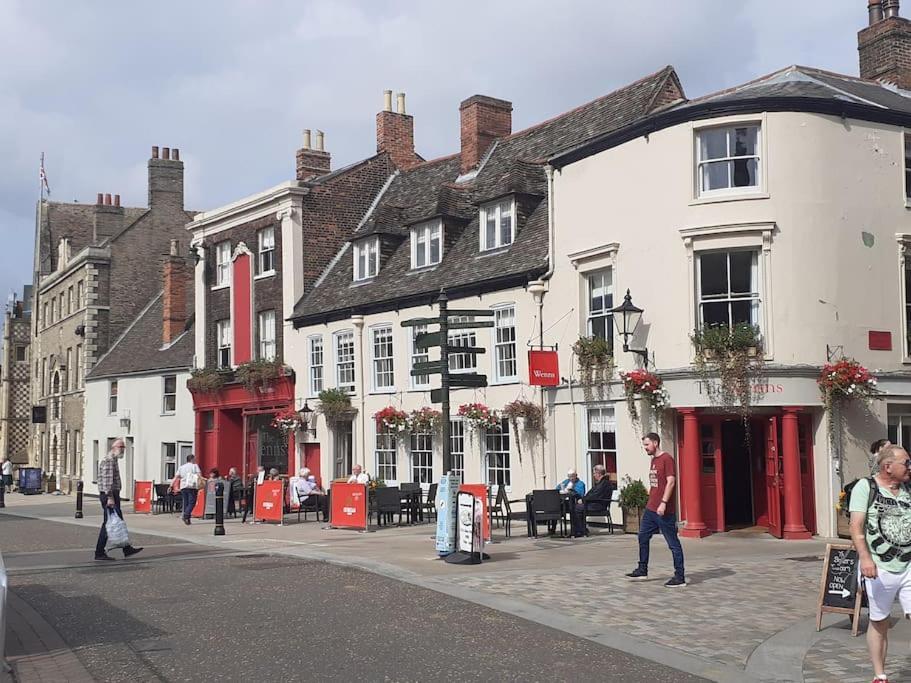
point(6, 474)
point(660, 512)
point(109, 495)
point(190, 476)
point(880, 510)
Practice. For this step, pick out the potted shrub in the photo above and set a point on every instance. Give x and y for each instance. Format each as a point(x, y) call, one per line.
point(633, 499)
point(256, 374)
point(335, 405)
point(596, 363)
point(206, 380)
point(734, 354)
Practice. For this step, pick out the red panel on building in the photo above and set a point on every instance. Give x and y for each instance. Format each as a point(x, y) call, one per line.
point(242, 308)
point(880, 341)
point(543, 368)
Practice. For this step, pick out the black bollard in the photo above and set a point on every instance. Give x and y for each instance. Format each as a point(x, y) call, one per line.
point(2, 493)
point(79, 486)
point(219, 509)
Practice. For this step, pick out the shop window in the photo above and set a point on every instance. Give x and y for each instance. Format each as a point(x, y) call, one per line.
point(602, 440)
point(208, 420)
point(707, 448)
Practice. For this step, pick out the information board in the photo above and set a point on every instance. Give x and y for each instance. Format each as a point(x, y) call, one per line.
point(348, 506)
point(838, 590)
point(269, 505)
point(446, 514)
point(142, 497)
point(480, 492)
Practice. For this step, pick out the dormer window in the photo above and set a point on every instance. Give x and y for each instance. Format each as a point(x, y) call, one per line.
point(366, 258)
point(426, 244)
point(497, 224)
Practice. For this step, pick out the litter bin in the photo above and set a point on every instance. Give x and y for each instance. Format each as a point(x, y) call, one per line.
point(29, 480)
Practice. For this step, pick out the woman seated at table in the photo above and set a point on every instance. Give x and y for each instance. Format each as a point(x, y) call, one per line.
point(572, 484)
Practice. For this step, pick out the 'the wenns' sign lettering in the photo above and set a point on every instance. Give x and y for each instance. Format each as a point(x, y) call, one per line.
point(543, 368)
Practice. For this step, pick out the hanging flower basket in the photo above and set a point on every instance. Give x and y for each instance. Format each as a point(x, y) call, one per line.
point(206, 381)
point(424, 419)
point(256, 374)
point(335, 405)
point(841, 383)
point(392, 419)
point(479, 416)
point(530, 413)
point(596, 364)
point(287, 420)
point(646, 385)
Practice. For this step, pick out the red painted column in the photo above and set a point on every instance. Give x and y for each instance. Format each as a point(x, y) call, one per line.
point(199, 448)
point(794, 527)
point(691, 476)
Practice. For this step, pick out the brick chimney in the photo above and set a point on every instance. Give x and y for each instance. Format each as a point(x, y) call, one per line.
point(165, 178)
point(395, 133)
point(108, 219)
point(312, 161)
point(177, 286)
point(885, 45)
point(483, 119)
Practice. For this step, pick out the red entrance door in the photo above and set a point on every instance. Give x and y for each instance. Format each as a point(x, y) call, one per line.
point(773, 477)
point(311, 459)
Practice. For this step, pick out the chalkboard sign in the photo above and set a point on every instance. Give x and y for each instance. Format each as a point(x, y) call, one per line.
point(838, 591)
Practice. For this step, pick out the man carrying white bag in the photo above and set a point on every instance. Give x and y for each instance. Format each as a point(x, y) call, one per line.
point(113, 532)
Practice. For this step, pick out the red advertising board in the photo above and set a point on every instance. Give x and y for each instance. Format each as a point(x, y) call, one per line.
point(142, 497)
point(199, 510)
point(543, 368)
point(479, 491)
point(348, 509)
point(268, 506)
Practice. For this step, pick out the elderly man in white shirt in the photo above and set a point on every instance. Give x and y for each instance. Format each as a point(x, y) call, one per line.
point(358, 476)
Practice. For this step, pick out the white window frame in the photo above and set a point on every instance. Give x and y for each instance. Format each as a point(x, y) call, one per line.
point(607, 415)
point(77, 362)
point(496, 210)
point(165, 395)
point(502, 347)
point(385, 454)
point(265, 240)
point(421, 451)
point(422, 238)
point(223, 264)
point(370, 249)
point(383, 366)
point(603, 277)
point(457, 432)
point(753, 297)
point(80, 294)
point(462, 362)
point(419, 382)
point(223, 343)
point(317, 362)
point(345, 363)
point(113, 390)
point(167, 459)
point(265, 323)
point(729, 159)
point(505, 464)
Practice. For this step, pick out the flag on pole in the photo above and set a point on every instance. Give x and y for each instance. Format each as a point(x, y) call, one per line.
point(42, 174)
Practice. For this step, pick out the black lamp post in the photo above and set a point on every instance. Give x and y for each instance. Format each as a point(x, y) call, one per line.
point(306, 414)
point(628, 316)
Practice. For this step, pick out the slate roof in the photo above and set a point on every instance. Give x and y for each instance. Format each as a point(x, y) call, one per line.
point(513, 165)
point(139, 349)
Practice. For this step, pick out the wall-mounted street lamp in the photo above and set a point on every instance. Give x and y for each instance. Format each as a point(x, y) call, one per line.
point(308, 420)
point(628, 316)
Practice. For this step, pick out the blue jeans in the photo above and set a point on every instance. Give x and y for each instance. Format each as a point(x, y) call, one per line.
point(188, 496)
point(651, 524)
point(103, 534)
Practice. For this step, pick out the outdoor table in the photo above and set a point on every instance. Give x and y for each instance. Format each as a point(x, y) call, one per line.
point(567, 500)
point(411, 498)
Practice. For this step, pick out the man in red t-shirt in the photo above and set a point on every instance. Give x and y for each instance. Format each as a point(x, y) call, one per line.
point(660, 511)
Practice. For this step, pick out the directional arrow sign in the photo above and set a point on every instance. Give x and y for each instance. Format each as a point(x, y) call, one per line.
point(414, 322)
point(843, 593)
point(464, 311)
point(467, 380)
point(469, 324)
point(433, 367)
point(467, 349)
point(425, 340)
point(436, 395)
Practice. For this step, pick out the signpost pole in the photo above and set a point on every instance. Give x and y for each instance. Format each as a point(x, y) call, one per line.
point(219, 509)
point(443, 301)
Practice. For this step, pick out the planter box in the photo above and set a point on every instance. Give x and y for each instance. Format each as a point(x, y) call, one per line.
point(631, 519)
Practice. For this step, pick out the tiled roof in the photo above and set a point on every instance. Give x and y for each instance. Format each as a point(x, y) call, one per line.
point(139, 349)
point(514, 165)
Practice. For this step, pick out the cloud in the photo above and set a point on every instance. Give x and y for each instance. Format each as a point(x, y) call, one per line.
point(233, 82)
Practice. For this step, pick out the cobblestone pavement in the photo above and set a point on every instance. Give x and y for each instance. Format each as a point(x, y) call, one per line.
point(727, 610)
point(838, 656)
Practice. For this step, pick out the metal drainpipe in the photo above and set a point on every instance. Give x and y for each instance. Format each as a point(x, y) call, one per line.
point(358, 321)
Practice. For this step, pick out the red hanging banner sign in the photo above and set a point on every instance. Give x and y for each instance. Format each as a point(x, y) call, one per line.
point(543, 368)
point(142, 497)
point(348, 508)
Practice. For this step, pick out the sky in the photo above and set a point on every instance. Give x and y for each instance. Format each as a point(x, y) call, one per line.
point(232, 83)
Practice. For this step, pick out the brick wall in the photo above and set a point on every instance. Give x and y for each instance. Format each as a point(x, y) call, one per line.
point(482, 120)
point(885, 51)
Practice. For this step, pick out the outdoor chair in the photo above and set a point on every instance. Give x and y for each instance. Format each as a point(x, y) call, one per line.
point(547, 506)
point(162, 500)
point(388, 502)
point(501, 511)
point(615, 497)
point(311, 504)
point(430, 503)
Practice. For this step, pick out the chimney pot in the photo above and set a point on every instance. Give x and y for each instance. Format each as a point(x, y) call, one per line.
point(306, 138)
point(154, 151)
point(165, 152)
point(107, 199)
point(890, 8)
point(401, 103)
point(175, 154)
point(116, 200)
point(100, 198)
point(320, 138)
point(387, 100)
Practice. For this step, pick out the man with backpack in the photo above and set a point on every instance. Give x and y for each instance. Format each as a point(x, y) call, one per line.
point(880, 510)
